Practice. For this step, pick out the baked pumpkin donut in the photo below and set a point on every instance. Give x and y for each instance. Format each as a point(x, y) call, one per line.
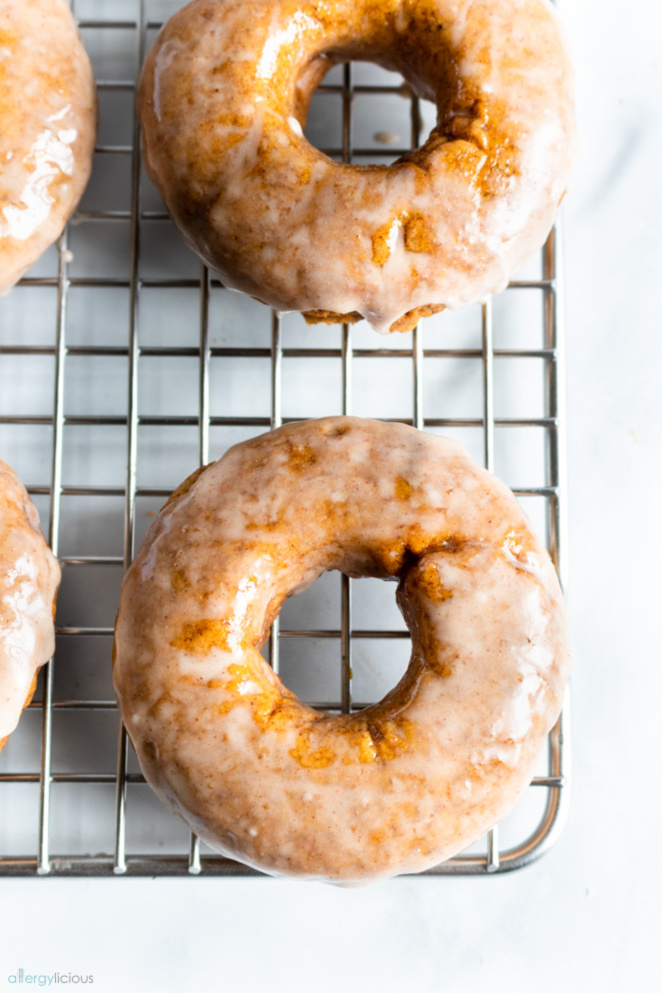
point(29, 578)
point(223, 100)
point(403, 784)
point(47, 129)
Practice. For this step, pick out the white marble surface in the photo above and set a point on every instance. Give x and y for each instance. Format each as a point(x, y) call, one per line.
point(587, 915)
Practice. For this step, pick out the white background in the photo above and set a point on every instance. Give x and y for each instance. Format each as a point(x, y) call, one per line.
point(587, 915)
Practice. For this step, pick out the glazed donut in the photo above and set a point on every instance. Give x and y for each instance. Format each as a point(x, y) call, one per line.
point(29, 578)
point(403, 784)
point(225, 94)
point(47, 129)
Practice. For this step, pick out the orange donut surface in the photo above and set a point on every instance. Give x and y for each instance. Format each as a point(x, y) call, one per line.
point(224, 97)
point(407, 782)
point(47, 129)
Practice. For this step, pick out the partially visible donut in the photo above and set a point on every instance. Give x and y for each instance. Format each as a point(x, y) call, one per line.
point(225, 94)
point(29, 578)
point(397, 787)
point(47, 129)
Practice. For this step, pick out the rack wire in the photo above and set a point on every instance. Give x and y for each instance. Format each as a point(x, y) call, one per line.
point(62, 826)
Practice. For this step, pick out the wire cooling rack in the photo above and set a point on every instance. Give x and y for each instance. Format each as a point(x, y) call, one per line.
point(124, 365)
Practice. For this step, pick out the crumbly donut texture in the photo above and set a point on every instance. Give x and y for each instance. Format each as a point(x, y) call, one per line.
point(47, 129)
point(397, 787)
point(29, 578)
point(225, 94)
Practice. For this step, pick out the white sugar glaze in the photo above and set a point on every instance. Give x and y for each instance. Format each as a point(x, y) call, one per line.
point(47, 129)
point(29, 577)
point(410, 781)
point(277, 219)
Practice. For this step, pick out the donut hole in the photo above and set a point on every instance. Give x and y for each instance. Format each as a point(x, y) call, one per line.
point(311, 643)
point(378, 665)
point(311, 668)
point(372, 111)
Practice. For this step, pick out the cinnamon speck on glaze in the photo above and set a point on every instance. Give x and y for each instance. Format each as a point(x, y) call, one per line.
point(224, 97)
point(409, 781)
point(47, 129)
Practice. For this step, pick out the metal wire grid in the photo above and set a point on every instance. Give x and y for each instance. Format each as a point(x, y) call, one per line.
point(120, 862)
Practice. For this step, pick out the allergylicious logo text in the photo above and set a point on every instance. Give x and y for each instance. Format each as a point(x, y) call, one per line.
point(48, 979)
